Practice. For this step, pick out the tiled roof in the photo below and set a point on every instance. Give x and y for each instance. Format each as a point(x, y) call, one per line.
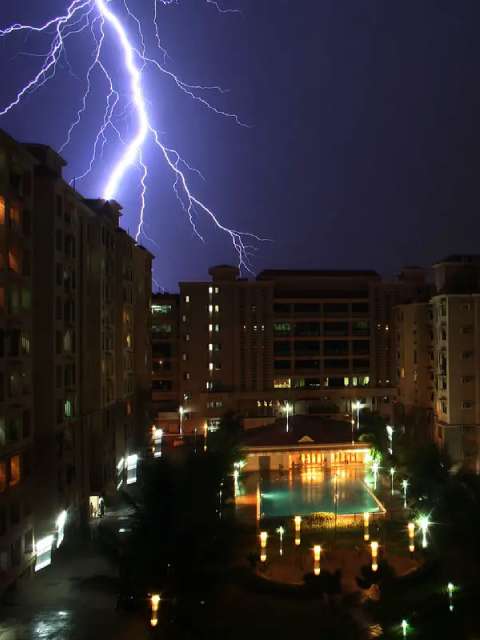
point(314, 429)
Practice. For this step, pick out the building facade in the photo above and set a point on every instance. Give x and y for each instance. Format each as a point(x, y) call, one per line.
point(320, 341)
point(439, 358)
point(76, 341)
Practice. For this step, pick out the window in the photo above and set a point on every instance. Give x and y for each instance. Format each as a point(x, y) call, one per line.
point(467, 354)
point(26, 424)
point(14, 470)
point(186, 375)
point(68, 409)
point(467, 404)
point(2, 210)
point(282, 328)
point(210, 290)
point(217, 308)
point(210, 366)
point(467, 329)
point(466, 307)
point(161, 309)
point(467, 379)
point(184, 357)
point(282, 383)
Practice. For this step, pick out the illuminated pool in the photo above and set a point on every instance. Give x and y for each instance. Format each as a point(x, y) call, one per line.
point(307, 492)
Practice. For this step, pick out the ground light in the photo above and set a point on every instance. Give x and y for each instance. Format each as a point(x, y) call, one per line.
point(263, 546)
point(366, 522)
point(154, 602)
point(298, 523)
point(423, 523)
point(374, 548)
point(411, 537)
point(404, 626)
point(317, 549)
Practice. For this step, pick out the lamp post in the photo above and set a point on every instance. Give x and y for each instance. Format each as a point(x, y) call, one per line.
point(392, 473)
point(357, 405)
point(263, 546)
point(424, 524)
point(181, 411)
point(405, 487)
point(366, 522)
point(450, 590)
point(280, 532)
point(288, 408)
point(154, 602)
point(389, 429)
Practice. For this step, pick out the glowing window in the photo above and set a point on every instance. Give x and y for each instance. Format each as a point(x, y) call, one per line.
point(217, 308)
point(210, 290)
point(282, 383)
point(2, 210)
point(68, 408)
point(187, 299)
point(210, 366)
point(14, 470)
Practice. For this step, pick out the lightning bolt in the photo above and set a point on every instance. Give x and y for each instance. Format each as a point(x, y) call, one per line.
point(96, 16)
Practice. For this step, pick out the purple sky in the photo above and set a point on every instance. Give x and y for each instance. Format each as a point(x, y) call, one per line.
point(364, 146)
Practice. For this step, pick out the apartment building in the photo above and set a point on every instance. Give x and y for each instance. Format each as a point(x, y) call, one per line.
point(320, 341)
point(76, 354)
point(17, 418)
point(438, 357)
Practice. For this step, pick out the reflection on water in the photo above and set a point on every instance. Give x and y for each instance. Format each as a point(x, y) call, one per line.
point(45, 626)
point(308, 491)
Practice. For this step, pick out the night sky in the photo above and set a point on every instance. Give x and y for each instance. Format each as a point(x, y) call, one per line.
point(365, 138)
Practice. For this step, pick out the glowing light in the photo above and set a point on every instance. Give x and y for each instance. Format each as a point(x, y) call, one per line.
point(154, 602)
point(95, 16)
point(287, 408)
point(43, 550)
point(423, 523)
point(405, 487)
point(392, 473)
point(263, 546)
point(374, 548)
point(390, 430)
point(317, 549)
point(411, 536)
point(366, 523)
point(357, 405)
point(60, 524)
point(298, 524)
point(404, 626)
point(450, 590)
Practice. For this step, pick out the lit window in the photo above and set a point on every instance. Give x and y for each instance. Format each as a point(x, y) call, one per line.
point(210, 328)
point(346, 382)
point(210, 366)
point(2, 210)
point(184, 356)
point(210, 290)
point(217, 328)
point(161, 309)
point(210, 347)
point(217, 308)
point(184, 318)
point(187, 375)
point(282, 383)
point(355, 381)
point(217, 290)
point(14, 470)
point(187, 337)
point(68, 408)
point(210, 308)
point(187, 299)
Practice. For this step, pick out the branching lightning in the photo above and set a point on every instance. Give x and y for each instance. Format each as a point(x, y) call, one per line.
point(104, 20)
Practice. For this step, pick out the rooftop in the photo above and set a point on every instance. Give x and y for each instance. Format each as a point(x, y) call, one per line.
point(308, 430)
point(270, 274)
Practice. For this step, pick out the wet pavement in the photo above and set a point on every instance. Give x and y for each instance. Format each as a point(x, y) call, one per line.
point(73, 599)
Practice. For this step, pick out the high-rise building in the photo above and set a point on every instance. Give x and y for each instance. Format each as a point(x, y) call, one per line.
point(320, 341)
point(76, 354)
point(17, 418)
point(438, 351)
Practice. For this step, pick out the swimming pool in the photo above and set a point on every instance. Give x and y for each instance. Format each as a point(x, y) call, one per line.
point(313, 492)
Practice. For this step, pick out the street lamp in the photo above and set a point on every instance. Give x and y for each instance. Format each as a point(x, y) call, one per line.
point(288, 408)
point(450, 590)
point(423, 524)
point(411, 536)
point(357, 405)
point(374, 548)
point(154, 602)
point(392, 473)
point(280, 532)
point(298, 523)
point(405, 487)
point(390, 431)
point(181, 411)
point(366, 522)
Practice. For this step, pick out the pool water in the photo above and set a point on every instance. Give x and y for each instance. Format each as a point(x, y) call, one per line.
point(312, 492)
